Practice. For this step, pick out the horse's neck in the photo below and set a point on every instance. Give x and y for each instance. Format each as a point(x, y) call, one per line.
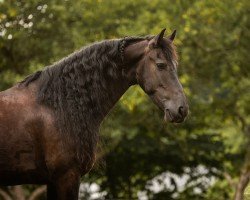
point(120, 85)
point(115, 89)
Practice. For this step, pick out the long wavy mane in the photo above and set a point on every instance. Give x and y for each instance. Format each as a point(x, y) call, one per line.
point(75, 87)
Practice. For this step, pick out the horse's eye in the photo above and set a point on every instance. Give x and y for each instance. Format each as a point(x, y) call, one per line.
point(161, 65)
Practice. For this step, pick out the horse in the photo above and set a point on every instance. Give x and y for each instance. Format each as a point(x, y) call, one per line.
point(49, 121)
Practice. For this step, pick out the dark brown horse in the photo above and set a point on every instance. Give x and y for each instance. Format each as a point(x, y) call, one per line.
point(49, 122)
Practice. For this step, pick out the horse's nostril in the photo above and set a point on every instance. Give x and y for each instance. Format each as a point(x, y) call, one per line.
point(181, 111)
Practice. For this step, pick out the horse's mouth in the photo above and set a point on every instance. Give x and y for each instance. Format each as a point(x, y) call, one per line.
point(169, 117)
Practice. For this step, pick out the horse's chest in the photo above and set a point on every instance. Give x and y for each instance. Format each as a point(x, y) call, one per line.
point(18, 147)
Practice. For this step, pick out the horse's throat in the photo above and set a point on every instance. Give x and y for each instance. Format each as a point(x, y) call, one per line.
point(111, 96)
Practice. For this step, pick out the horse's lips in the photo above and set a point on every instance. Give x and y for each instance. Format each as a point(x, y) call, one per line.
point(166, 116)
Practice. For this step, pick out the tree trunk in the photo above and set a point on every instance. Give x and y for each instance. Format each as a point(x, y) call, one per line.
point(242, 184)
point(4, 195)
point(18, 192)
point(37, 192)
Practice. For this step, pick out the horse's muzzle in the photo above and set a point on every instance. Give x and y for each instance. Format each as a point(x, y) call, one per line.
point(177, 116)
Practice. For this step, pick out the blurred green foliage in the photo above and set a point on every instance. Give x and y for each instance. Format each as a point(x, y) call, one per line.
point(213, 43)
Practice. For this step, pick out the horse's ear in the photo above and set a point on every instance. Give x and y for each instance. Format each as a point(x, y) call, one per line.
point(172, 36)
point(159, 38)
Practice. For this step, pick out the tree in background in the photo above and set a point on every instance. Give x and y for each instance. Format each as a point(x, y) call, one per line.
point(138, 148)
